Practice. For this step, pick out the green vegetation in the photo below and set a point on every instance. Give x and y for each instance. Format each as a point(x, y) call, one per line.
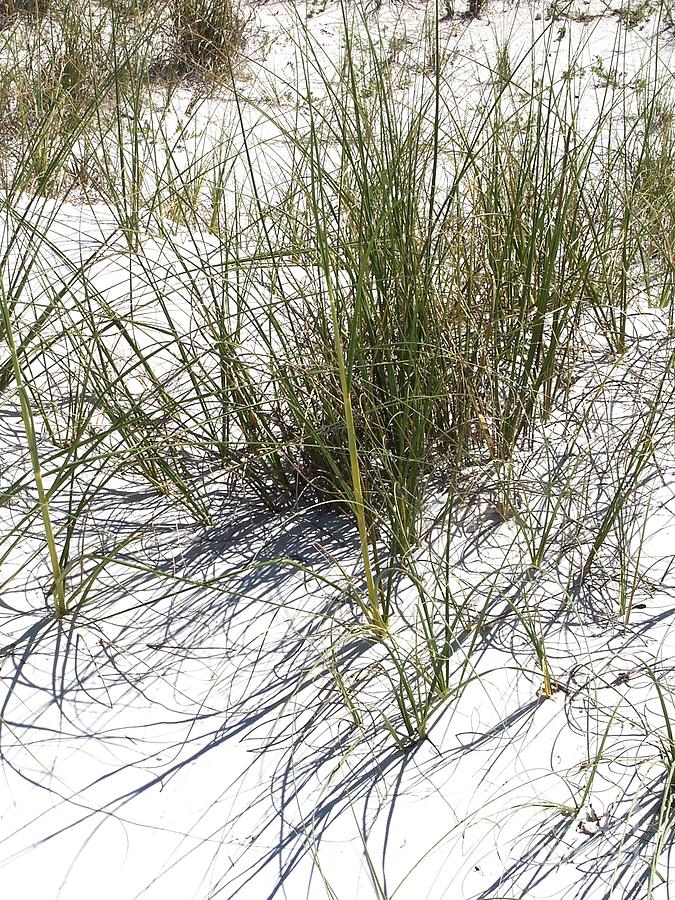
point(404, 306)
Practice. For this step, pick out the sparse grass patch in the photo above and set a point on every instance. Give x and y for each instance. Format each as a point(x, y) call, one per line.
point(633, 14)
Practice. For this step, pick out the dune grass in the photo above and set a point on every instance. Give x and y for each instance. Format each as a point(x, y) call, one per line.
point(388, 310)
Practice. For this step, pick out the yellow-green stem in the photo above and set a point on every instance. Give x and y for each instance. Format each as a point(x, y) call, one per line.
point(377, 619)
point(60, 606)
point(548, 687)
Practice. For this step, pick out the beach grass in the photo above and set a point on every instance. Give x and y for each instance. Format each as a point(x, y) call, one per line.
point(389, 300)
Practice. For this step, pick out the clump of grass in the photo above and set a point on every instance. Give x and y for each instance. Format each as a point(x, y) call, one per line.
point(475, 8)
point(634, 14)
point(452, 264)
point(34, 10)
point(208, 34)
point(443, 325)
